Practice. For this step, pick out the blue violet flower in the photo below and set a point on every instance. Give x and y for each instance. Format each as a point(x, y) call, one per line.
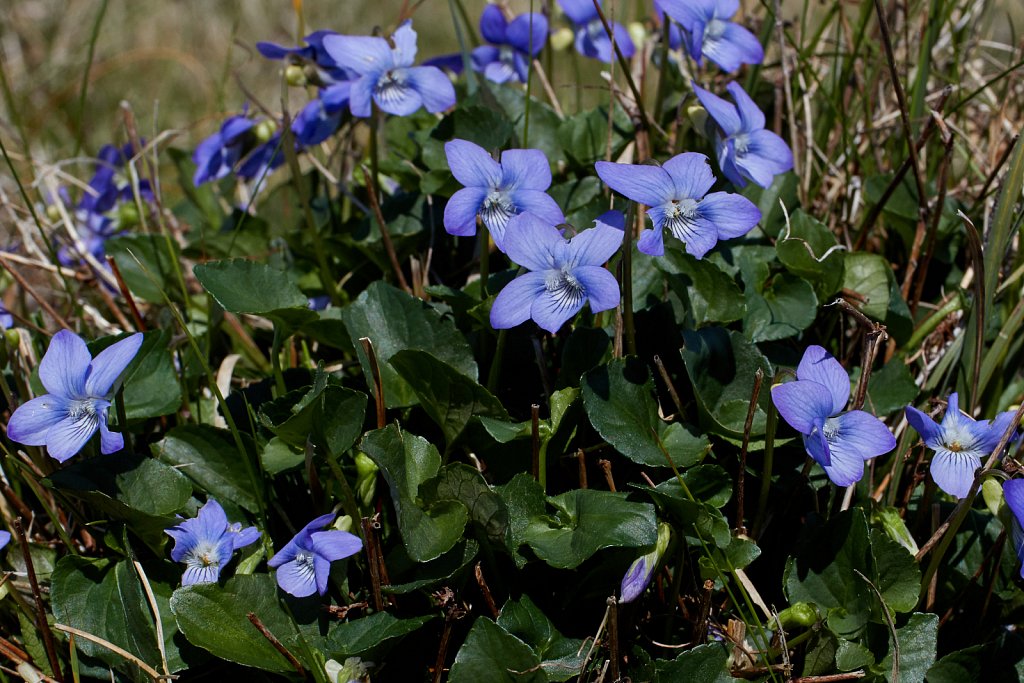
point(206, 542)
point(1013, 491)
point(591, 38)
point(838, 441)
point(497, 191)
point(676, 193)
point(80, 390)
point(513, 44)
point(304, 564)
point(709, 32)
point(387, 76)
point(745, 150)
point(565, 274)
point(960, 443)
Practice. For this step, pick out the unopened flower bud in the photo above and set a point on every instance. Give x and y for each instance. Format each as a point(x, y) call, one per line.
point(127, 215)
point(295, 75)
point(265, 130)
point(562, 39)
point(366, 478)
point(637, 32)
point(640, 572)
point(52, 212)
point(800, 614)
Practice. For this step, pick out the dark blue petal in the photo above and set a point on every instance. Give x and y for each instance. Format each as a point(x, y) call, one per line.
point(472, 165)
point(734, 215)
point(528, 33)
point(579, 11)
point(493, 25)
point(530, 242)
point(930, 432)
point(725, 114)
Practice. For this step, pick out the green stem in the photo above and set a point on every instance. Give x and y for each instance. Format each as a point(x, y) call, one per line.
point(627, 280)
point(484, 243)
point(495, 374)
point(275, 360)
point(122, 419)
point(771, 423)
point(929, 324)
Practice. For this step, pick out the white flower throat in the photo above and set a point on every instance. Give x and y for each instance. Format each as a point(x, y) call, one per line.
point(567, 290)
point(496, 210)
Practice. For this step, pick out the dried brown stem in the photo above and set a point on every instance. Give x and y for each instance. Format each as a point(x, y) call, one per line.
point(272, 639)
point(378, 385)
point(478, 572)
point(41, 623)
point(385, 235)
point(32, 293)
point(136, 316)
point(741, 478)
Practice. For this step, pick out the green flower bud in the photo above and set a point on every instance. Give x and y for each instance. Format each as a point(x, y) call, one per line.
point(265, 130)
point(52, 212)
point(295, 75)
point(562, 39)
point(127, 215)
point(800, 614)
point(366, 478)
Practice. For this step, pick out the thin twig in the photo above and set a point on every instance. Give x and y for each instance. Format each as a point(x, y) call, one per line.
point(153, 673)
point(668, 383)
point(32, 292)
point(272, 639)
point(385, 235)
point(478, 572)
point(741, 478)
point(136, 316)
point(41, 623)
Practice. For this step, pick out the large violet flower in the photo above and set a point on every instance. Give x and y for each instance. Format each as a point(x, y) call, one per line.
point(80, 388)
point(497, 191)
point(206, 542)
point(960, 443)
point(512, 44)
point(321, 117)
point(710, 33)
point(745, 150)
point(387, 76)
point(676, 193)
point(840, 442)
point(591, 38)
point(566, 273)
point(304, 564)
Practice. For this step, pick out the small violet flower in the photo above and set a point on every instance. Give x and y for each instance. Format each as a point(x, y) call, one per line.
point(80, 389)
point(708, 32)
point(746, 151)
point(839, 442)
point(960, 443)
point(6, 319)
point(676, 193)
point(387, 76)
point(1013, 491)
point(565, 273)
point(497, 191)
point(5, 538)
point(206, 542)
point(217, 155)
point(641, 571)
point(513, 44)
point(321, 117)
point(304, 564)
point(591, 38)
point(323, 70)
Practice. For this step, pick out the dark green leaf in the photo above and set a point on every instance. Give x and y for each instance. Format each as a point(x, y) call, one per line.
point(586, 521)
point(525, 500)
point(619, 401)
point(784, 307)
point(426, 574)
point(868, 275)
point(492, 654)
point(406, 461)
point(890, 388)
point(702, 664)
point(917, 648)
point(106, 599)
point(367, 637)
point(242, 286)
point(449, 397)
point(209, 457)
point(148, 264)
point(709, 294)
point(809, 250)
point(561, 657)
point(722, 364)
point(395, 321)
point(465, 484)
point(150, 383)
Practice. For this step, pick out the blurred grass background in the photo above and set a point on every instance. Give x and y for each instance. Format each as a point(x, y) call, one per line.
point(180, 64)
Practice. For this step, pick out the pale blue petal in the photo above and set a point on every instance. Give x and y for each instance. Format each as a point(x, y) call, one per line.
point(733, 215)
point(1013, 490)
point(525, 169)
point(688, 12)
point(483, 57)
point(817, 447)
point(601, 287)
point(360, 101)
point(512, 305)
point(402, 98)
point(212, 520)
point(818, 365)
point(295, 579)
point(538, 203)
point(699, 235)
point(691, 175)
point(434, 87)
point(530, 241)
point(645, 184)
point(247, 536)
point(930, 432)
point(404, 39)
point(461, 210)
point(954, 472)
point(724, 113)
point(362, 54)
point(197, 573)
point(32, 420)
point(5, 538)
point(69, 436)
point(110, 442)
point(623, 40)
point(744, 45)
point(636, 579)
point(65, 365)
point(750, 115)
point(335, 545)
point(772, 149)
point(472, 165)
point(756, 168)
point(651, 242)
point(860, 436)
point(594, 246)
point(804, 405)
point(321, 572)
point(551, 311)
point(109, 363)
point(500, 72)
